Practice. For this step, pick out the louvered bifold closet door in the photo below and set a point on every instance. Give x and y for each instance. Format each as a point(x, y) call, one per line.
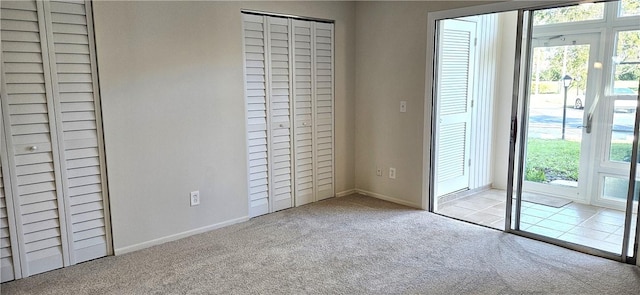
point(6, 257)
point(280, 113)
point(303, 111)
point(69, 29)
point(323, 112)
point(9, 268)
point(289, 96)
point(257, 121)
point(27, 106)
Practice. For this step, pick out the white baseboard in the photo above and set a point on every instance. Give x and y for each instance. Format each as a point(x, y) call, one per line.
point(390, 199)
point(346, 193)
point(158, 241)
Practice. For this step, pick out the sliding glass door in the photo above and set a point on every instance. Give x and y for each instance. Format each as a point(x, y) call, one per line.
point(573, 175)
point(567, 116)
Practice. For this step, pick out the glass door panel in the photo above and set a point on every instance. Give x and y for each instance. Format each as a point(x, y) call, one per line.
point(577, 107)
point(559, 93)
point(619, 113)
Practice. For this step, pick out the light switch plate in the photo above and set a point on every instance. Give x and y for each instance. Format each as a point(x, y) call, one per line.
point(392, 173)
point(403, 106)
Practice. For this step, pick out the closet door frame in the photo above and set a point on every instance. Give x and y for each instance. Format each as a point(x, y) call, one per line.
point(99, 127)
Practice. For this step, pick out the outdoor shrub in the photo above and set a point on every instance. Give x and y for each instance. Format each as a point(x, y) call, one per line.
point(535, 174)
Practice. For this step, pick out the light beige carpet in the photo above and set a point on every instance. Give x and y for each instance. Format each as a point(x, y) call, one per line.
point(349, 245)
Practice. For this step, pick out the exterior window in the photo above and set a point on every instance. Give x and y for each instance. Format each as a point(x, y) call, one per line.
point(626, 63)
point(629, 8)
point(582, 12)
point(617, 188)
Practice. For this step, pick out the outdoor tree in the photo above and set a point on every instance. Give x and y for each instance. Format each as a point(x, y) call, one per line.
point(552, 63)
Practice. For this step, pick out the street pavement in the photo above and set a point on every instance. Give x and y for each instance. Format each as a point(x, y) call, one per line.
point(547, 123)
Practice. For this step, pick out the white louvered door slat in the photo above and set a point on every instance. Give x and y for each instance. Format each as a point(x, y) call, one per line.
point(31, 136)
point(323, 110)
point(280, 114)
point(303, 112)
point(73, 65)
point(257, 120)
point(454, 94)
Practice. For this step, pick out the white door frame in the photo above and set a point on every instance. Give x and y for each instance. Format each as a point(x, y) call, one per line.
point(586, 167)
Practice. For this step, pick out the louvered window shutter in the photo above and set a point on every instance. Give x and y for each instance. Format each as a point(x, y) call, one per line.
point(256, 99)
point(323, 113)
point(303, 118)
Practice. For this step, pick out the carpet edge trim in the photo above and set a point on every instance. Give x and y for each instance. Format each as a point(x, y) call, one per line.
point(173, 237)
point(390, 199)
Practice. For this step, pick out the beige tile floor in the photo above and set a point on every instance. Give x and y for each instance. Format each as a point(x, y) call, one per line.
point(587, 225)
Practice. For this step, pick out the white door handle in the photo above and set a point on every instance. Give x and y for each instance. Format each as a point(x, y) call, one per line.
point(281, 125)
point(304, 123)
point(33, 148)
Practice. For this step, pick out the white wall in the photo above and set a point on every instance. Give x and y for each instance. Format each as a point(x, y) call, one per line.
point(391, 42)
point(504, 97)
point(171, 81)
point(484, 95)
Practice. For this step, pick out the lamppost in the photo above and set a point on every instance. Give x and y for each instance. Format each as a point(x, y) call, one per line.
point(566, 81)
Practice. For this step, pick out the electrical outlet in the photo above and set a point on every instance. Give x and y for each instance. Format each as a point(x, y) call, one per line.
point(379, 171)
point(392, 173)
point(195, 198)
point(403, 106)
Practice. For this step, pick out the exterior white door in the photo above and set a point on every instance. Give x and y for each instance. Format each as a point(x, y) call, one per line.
point(455, 67)
point(547, 46)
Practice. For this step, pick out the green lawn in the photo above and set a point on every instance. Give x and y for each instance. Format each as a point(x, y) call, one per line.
point(551, 159)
